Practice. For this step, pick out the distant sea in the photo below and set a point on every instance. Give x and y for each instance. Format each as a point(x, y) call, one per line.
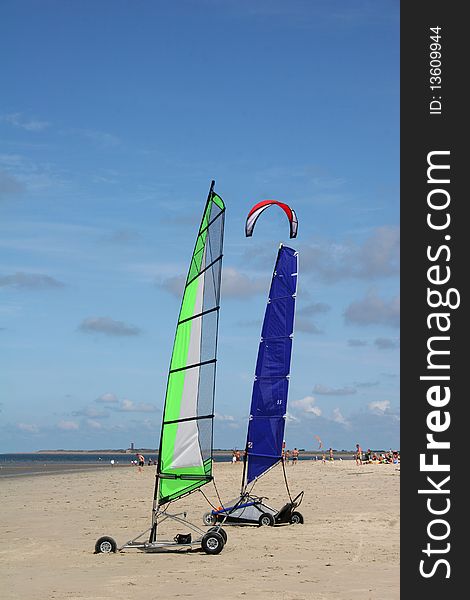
point(37, 463)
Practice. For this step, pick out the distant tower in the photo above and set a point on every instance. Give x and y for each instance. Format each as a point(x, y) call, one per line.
point(132, 445)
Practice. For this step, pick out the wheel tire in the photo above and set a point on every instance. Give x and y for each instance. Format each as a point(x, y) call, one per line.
point(208, 518)
point(296, 518)
point(105, 545)
point(212, 543)
point(266, 520)
point(222, 532)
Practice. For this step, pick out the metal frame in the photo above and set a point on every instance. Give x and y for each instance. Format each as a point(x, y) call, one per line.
point(255, 503)
point(159, 517)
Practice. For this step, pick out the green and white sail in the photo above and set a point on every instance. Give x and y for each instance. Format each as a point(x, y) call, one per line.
point(185, 455)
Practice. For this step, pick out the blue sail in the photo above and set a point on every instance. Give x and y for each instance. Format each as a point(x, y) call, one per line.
point(270, 388)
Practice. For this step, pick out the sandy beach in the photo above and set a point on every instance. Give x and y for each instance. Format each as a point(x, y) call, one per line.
point(347, 549)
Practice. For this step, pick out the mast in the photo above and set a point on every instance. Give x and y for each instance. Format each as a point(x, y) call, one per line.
point(270, 387)
point(185, 449)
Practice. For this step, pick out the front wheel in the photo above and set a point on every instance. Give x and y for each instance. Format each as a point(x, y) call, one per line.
point(208, 518)
point(266, 520)
point(296, 518)
point(212, 543)
point(105, 545)
point(222, 532)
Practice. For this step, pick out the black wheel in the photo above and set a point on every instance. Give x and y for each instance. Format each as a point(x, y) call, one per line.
point(208, 518)
point(212, 543)
point(266, 520)
point(105, 545)
point(222, 532)
point(296, 518)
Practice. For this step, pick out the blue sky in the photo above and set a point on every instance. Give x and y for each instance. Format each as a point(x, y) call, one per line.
point(114, 117)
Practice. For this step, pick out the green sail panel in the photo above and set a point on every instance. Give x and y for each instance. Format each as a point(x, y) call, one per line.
point(185, 457)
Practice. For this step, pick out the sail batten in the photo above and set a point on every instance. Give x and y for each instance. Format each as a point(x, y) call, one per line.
point(199, 364)
point(201, 314)
point(271, 383)
point(185, 456)
point(188, 419)
point(204, 270)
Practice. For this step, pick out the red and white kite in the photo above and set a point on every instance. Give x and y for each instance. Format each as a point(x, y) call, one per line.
point(259, 208)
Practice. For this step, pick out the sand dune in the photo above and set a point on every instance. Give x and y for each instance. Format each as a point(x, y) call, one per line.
point(347, 549)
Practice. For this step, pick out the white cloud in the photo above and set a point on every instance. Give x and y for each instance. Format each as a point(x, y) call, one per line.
point(235, 284)
point(107, 398)
point(314, 308)
point(228, 420)
point(131, 406)
point(339, 418)
point(30, 281)
point(377, 257)
point(379, 406)
point(102, 139)
point(111, 402)
point(386, 343)
point(290, 418)
point(355, 343)
point(372, 310)
point(304, 325)
point(307, 405)
point(108, 326)
point(329, 391)
point(9, 185)
point(91, 412)
point(68, 425)
point(220, 417)
point(28, 427)
point(17, 120)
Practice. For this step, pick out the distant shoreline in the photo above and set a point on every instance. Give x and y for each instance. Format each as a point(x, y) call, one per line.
point(154, 451)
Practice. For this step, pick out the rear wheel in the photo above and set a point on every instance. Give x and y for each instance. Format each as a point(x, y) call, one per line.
point(105, 545)
point(296, 518)
point(208, 518)
point(212, 543)
point(266, 520)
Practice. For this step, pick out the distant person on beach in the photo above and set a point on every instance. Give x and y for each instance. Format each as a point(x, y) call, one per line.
point(287, 456)
point(358, 455)
point(295, 456)
point(323, 458)
point(141, 461)
point(332, 458)
point(234, 457)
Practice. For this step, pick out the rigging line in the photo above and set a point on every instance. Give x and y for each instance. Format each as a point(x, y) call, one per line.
point(285, 479)
point(254, 483)
point(214, 219)
point(218, 495)
point(207, 499)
